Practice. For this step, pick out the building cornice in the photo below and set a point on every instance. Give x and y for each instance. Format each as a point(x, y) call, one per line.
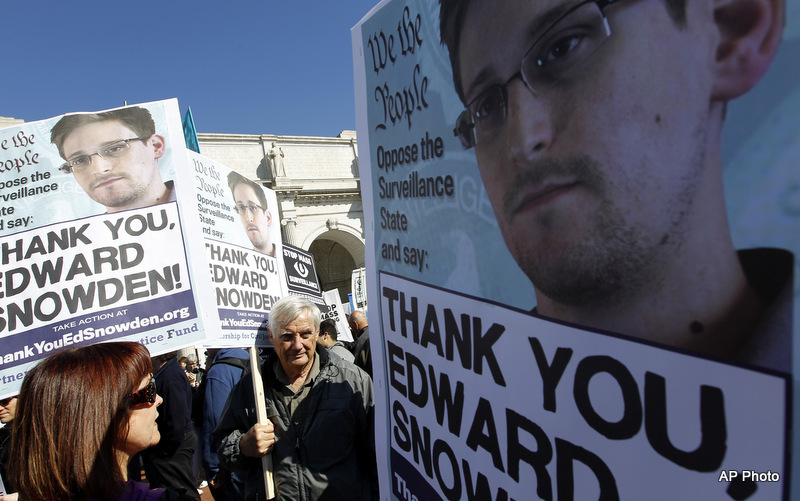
point(206, 137)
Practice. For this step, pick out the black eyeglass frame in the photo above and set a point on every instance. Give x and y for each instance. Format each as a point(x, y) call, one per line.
point(465, 122)
point(68, 167)
point(251, 207)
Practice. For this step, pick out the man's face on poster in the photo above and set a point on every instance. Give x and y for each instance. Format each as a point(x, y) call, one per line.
point(591, 174)
point(256, 220)
point(120, 181)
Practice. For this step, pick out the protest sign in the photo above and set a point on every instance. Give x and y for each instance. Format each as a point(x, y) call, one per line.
point(579, 200)
point(358, 284)
point(302, 280)
point(336, 313)
point(301, 274)
point(489, 403)
point(103, 252)
point(241, 234)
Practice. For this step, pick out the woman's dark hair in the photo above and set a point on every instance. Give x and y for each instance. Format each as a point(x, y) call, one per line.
point(72, 415)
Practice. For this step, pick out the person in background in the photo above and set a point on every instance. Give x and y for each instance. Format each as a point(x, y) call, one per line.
point(360, 330)
point(194, 372)
point(328, 337)
point(8, 409)
point(82, 413)
point(226, 369)
point(169, 463)
point(183, 363)
point(195, 375)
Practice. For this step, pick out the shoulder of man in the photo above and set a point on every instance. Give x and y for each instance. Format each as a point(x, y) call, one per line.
point(236, 362)
point(170, 372)
point(335, 368)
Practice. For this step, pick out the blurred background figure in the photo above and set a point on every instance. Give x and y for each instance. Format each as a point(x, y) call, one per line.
point(194, 371)
point(360, 330)
point(8, 408)
point(226, 369)
point(329, 338)
point(169, 463)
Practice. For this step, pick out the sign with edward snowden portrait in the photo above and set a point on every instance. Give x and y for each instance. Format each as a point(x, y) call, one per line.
point(241, 234)
point(486, 397)
point(85, 258)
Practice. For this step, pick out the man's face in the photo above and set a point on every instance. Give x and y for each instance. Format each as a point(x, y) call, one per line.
point(256, 220)
point(593, 179)
point(295, 344)
point(117, 183)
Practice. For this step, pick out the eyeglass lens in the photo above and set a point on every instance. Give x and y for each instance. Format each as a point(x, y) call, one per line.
point(113, 150)
point(557, 55)
point(145, 395)
point(240, 208)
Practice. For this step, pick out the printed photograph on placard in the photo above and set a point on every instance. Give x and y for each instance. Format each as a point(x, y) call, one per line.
point(555, 195)
point(241, 234)
point(94, 241)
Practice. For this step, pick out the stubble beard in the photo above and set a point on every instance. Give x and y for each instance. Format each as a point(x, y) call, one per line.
point(124, 199)
point(603, 269)
point(614, 260)
point(259, 241)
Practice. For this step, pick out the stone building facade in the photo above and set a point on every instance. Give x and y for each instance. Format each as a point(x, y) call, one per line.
point(317, 183)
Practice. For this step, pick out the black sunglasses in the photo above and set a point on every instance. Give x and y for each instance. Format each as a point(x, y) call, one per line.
point(146, 395)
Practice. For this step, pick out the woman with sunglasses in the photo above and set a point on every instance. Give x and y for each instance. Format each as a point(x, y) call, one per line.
point(82, 414)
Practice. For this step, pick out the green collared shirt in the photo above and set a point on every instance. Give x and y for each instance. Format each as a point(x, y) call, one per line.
point(293, 400)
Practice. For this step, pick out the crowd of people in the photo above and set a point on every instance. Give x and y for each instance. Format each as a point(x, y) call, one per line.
point(110, 422)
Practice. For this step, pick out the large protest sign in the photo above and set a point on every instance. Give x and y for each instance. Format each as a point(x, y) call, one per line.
point(103, 252)
point(301, 274)
point(484, 396)
point(241, 234)
point(302, 280)
point(586, 416)
point(335, 312)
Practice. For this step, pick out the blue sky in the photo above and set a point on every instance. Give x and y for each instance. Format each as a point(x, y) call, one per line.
point(251, 67)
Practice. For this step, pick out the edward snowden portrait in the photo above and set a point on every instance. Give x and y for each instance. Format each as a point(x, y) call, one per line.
point(597, 126)
point(113, 156)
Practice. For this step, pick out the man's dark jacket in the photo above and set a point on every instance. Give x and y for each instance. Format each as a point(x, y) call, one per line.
point(332, 457)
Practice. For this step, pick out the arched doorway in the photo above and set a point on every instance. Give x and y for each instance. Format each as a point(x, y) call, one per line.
point(334, 266)
point(336, 254)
